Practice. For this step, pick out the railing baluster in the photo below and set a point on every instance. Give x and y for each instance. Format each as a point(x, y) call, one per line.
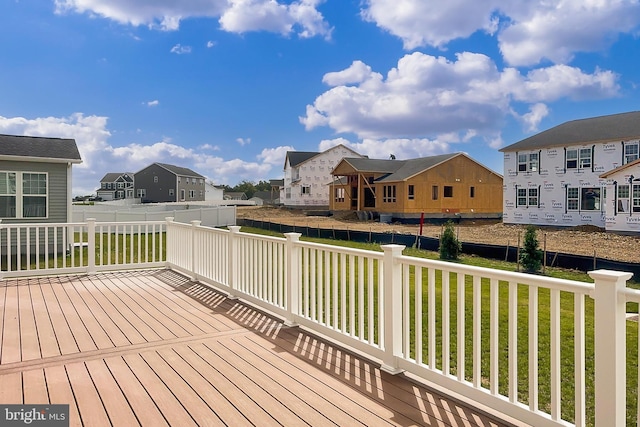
point(477, 331)
point(555, 380)
point(431, 300)
point(579, 334)
point(533, 348)
point(406, 314)
point(493, 336)
point(418, 314)
point(446, 301)
point(461, 326)
point(513, 342)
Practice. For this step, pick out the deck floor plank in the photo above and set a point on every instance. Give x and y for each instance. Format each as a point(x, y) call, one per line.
point(59, 389)
point(35, 387)
point(162, 396)
point(143, 406)
point(66, 341)
point(46, 334)
point(132, 327)
point(11, 327)
point(29, 343)
point(90, 406)
point(171, 351)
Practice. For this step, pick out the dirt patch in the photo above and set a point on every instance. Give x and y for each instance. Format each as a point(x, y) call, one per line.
point(583, 240)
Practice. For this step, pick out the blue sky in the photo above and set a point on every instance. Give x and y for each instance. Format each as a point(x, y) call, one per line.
point(226, 87)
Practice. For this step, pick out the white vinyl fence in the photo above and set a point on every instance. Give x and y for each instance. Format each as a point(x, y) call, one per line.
point(211, 216)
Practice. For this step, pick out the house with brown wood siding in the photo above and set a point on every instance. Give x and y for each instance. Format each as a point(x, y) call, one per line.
point(440, 187)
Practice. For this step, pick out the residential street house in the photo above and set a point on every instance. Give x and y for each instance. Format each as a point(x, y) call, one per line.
point(440, 187)
point(307, 175)
point(574, 174)
point(35, 178)
point(116, 186)
point(161, 182)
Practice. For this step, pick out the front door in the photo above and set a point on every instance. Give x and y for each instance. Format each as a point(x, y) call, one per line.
point(182, 195)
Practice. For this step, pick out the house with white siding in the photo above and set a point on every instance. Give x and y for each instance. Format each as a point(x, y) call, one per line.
point(564, 175)
point(307, 175)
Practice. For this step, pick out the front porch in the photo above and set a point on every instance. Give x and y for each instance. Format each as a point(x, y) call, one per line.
point(152, 347)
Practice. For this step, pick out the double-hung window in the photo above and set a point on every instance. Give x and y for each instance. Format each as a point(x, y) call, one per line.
point(623, 198)
point(585, 158)
point(584, 198)
point(23, 194)
point(527, 197)
point(630, 152)
point(573, 198)
point(528, 162)
point(579, 159)
point(635, 197)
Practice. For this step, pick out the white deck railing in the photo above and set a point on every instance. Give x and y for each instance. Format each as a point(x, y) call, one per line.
point(476, 332)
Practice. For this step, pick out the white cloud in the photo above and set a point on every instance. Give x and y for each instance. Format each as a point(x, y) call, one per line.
point(210, 147)
point(243, 141)
point(180, 50)
point(527, 31)
point(153, 103)
point(536, 113)
point(211, 44)
point(275, 156)
point(238, 16)
point(100, 157)
point(269, 15)
point(428, 96)
point(401, 148)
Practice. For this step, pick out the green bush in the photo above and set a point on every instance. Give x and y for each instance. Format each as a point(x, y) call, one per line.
point(531, 256)
point(450, 247)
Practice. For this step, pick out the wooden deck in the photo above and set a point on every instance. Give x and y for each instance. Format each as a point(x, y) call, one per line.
point(153, 348)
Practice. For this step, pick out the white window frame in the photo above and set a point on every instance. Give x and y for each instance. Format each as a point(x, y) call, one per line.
point(585, 161)
point(305, 189)
point(155, 179)
point(527, 197)
point(20, 194)
point(623, 198)
point(572, 156)
point(172, 192)
point(192, 194)
point(141, 192)
point(631, 152)
point(573, 198)
point(339, 195)
point(635, 198)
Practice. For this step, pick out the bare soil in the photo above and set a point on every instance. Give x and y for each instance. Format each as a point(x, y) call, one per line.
point(583, 240)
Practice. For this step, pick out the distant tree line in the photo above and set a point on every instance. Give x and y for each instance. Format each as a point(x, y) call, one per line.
point(247, 187)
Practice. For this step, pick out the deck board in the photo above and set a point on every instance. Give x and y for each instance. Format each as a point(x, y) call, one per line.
point(153, 348)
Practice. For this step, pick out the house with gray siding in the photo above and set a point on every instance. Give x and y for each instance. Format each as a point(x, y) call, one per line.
point(116, 186)
point(35, 178)
point(161, 182)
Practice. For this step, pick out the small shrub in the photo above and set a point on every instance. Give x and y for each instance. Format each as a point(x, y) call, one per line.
point(450, 247)
point(531, 256)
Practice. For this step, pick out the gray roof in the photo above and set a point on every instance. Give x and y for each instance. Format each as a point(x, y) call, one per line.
point(54, 149)
point(297, 157)
point(584, 131)
point(398, 170)
point(276, 182)
point(113, 176)
point(178, 170)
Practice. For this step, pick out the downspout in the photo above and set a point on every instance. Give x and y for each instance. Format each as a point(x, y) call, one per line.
point(615, 198)
point(69, 190)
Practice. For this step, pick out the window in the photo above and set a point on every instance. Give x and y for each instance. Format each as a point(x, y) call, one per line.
point(527, 197)
point(121, 185)
point(34, 190)
point(572, 159)
point(434, 192)
point(305, 189)
point(448, 191)
point(522, 197)
point(573, 198)
point(590, 199)
point(636, 197)
point(579, 159)
point(155, 178)
point(472, 192)
point(171, 192)
point(7, 194)
point(528, 162)
point(141, 192)
point(295, 174)
point(623, 198)
point(585, 158)
point(411, 192)
point(630, 152)
point(389, 194)
point(192, 194)
point(104, 185)
point(120, 194)
point(339, 195)
point(287, 193)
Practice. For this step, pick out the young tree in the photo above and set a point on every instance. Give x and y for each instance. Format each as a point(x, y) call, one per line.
point(450, 247)
point(531, 256)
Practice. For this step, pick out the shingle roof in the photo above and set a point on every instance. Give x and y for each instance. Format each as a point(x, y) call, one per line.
point(297, 157)
point(112, 176)
point(584, 131)
point(398, 170)
point(276, 182)
point(178, 170)
point(54, 149)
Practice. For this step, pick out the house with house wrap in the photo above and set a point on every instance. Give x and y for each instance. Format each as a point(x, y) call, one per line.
point(307, 175)
point(565, 175)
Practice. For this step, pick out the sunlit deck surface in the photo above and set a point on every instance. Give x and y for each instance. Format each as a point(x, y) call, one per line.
point(154, 348)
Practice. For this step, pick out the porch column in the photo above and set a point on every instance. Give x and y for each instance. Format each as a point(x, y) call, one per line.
point(292, 277)
point(610, 347)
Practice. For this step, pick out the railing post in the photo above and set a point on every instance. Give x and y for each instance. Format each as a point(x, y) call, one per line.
point(232, 255)
point(91, 245)
point(194, 263)
point(392, 300)
point(169, 257)
point(292, 277)
point(610, 347)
